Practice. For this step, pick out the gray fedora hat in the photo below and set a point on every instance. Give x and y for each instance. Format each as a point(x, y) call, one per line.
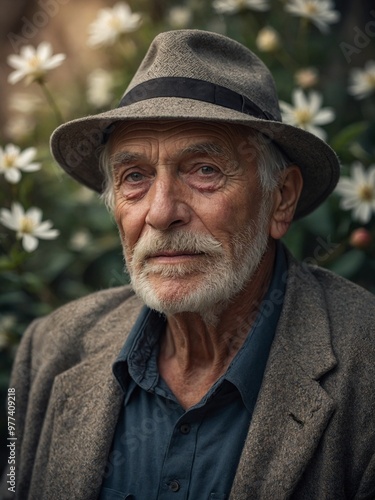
point(202, 76)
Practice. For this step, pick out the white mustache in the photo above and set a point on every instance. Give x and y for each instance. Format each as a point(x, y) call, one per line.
point(175, 241)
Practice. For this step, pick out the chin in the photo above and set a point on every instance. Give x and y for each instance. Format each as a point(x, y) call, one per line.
point(200, 293)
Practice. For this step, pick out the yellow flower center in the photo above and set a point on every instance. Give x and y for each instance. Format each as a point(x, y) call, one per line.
point(370, 77)
point(9, 160)
point(27, 226)
point(115, 24)
point(34, 63)
point(303, 116)
point(311, 8)
point(366, 193)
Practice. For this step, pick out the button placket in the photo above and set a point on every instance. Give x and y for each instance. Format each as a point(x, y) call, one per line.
point(178, 461)
point(185, 428)
point(174, 485)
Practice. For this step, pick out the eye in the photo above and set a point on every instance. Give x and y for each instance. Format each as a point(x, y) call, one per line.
point(134, 177)
point(207, 170)
point(206, 177)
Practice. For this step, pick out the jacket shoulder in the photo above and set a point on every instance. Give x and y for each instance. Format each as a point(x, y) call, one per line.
point(347, 301)
point(350, 313)
point(89, 309)
point(81, 328)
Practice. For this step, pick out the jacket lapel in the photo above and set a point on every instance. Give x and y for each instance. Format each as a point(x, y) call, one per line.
point(292, 410)
point(85, 404)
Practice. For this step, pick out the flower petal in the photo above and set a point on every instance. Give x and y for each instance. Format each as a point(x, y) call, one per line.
point(44, 51)
point(29, 242)
point(18, 212)
point(55, 61)
point(315, 101)
point(47, 235)
point(7, 220)
point(26, 156)
point(363, 213)
point(12, 175)
point(35, 214)
point(16, 76)
point(299, 99)
point(325, 115)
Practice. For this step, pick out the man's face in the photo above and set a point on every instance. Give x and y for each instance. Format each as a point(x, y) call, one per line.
point(190, 212)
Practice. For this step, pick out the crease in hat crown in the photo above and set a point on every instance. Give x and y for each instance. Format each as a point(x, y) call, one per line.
point(202, 76)
point(209, 57)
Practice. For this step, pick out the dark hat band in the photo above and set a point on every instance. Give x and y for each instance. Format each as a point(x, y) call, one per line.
point(191, 88)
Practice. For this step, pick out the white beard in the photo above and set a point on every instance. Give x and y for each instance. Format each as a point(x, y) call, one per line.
point(221, 276)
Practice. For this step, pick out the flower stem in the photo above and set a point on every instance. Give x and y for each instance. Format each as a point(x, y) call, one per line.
point(286, 60)
point(302, 40)
point(51, 101)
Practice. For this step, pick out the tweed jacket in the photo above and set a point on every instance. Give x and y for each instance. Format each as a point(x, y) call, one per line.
point(312, 435)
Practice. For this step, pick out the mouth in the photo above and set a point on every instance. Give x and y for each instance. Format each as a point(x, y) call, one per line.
point(169, 257)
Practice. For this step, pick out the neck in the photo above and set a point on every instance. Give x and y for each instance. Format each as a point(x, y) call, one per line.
point(195, 352)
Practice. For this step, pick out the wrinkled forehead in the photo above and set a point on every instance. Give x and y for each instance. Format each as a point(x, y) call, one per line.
point(173, 135)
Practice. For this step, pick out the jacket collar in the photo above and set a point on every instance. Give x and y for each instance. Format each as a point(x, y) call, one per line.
point(293, 409)
point(85, 404)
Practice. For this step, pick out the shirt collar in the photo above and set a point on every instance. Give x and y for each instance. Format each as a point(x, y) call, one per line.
point(136, 358)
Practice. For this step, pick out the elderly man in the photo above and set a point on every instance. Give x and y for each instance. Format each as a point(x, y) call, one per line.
point(232, 371)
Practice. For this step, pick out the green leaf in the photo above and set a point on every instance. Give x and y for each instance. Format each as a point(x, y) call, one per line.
point(349, 264)
point(320, 221)
point(56, 265)
point(341, 141)
point(294, 240)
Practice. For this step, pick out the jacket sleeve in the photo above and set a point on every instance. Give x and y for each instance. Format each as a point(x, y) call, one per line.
point(366, 490)
point(21, 380)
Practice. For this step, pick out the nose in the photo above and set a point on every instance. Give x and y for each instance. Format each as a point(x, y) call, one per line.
point(167, 206)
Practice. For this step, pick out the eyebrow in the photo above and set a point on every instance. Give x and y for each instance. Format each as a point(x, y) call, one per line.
point(212, 149)
point(124, 158)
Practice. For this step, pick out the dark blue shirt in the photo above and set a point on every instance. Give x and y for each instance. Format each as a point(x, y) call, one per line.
point(161, 451)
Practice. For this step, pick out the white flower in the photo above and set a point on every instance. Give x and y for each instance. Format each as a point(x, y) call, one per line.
point(319, 12)
point(306, 112)
point(28, 225)
point(80, 239)
point(99, 90)
point(179, 17)
point(358, 192)
point(268, 40)
point(306, 77)
point(233, 6)
point(362, 82)
point(33, 64)
point(13, 161)
point(110, 24)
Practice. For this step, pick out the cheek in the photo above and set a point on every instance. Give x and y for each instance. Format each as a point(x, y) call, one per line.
point(220, 217)
point(236, 210)
point(129, 223)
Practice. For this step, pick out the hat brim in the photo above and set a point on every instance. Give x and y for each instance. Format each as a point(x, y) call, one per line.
point(76, 145)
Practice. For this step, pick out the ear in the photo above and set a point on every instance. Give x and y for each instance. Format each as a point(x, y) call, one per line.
point(286, 196)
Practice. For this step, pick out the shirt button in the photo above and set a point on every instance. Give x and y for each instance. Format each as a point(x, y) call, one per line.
point(174, 485)
point(185, 428)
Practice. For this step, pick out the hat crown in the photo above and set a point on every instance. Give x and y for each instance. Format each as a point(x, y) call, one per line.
point(213, 58)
